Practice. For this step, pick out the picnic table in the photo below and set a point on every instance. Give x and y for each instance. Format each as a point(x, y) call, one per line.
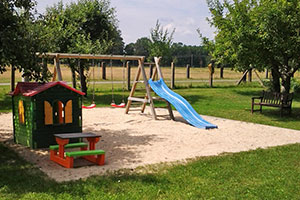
point(87, 151)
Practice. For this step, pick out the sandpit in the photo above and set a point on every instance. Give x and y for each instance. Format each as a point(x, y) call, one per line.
point(136, 139)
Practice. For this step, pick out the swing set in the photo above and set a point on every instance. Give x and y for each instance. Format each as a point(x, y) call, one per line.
point(123, 58)
point(113, 104)
point(93, 105)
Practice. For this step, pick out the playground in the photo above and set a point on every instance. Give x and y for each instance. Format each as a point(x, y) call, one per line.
point(136, 140)
point(88, 113)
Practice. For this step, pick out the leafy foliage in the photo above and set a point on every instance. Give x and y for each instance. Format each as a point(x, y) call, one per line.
point(87, 26)
point(182, 55)
point(161, 41)
point(20, 39)
point(178, 52)
point(258, 34)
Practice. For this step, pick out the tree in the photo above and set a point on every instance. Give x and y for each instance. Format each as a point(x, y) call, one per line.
point(196, 56)
point(258, 34)
point(129, 49)
point(142, 47)
point(161, 41)
point(19, 39)
point(87, 26)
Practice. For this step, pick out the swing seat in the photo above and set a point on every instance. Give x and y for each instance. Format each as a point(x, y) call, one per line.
point(121, 105)
point(89, 107)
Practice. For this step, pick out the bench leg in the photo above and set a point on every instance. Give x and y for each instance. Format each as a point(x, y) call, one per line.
point(260, 109)
point(67, 162)
point(101, 159)
point(53, 153)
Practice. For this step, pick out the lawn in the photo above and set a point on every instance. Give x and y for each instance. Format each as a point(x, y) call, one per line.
point(261, 174)
point(272, 173)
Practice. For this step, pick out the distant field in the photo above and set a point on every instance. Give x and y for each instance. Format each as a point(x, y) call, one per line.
point(180, 74)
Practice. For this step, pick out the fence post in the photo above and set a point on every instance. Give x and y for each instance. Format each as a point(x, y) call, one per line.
point(211, 73)
point(150, 70)
point(128, 75)
point(103, 67)
point(12, 80)
point(172, 75)
point(267, 73)
point(222, 72)
point(57, 67)
point(250, 75)
point(188, 71)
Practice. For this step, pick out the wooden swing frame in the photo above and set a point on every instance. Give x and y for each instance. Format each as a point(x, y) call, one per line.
point(140, 59)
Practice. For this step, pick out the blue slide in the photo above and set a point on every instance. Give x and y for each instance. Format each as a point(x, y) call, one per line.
point(181, 105)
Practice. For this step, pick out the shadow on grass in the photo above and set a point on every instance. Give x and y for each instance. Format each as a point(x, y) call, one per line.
point(248, 93)
point(19, 178)
point(274, 114)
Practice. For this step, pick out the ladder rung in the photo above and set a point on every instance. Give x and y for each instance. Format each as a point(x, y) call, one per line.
point(138, 81)
point(135, 109)
point(138, 99)
point(136, 103)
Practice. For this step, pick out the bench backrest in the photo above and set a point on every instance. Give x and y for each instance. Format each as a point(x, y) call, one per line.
point(277, 98)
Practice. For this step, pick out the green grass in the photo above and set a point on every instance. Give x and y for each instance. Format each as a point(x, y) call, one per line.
point(272, 173)
point(224, 100)
point(5, 99)
point(235, 103)
point(261, 174)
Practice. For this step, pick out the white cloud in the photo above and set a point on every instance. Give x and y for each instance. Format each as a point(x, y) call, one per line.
point(169, 27)
point(137, 17)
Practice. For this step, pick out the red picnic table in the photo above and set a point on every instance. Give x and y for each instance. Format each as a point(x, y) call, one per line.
point(87, 151)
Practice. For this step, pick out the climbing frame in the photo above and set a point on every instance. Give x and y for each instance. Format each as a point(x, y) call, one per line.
point(148, 98)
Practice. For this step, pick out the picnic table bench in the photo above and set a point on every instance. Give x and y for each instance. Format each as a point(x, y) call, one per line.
point(87, 151)
point(273, 99)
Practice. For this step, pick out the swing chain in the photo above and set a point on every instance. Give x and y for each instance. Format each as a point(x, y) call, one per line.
point(112, 82)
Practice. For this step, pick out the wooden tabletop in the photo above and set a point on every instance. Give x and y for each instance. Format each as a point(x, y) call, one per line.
point(76, 135)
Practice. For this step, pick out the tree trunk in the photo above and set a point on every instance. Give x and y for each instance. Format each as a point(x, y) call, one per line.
point(73, 71)
point(286, 84)
point(73, 77)
point(83, 80)
point(275, 79)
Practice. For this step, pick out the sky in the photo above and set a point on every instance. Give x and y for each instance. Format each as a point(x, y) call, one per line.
point(137, 17)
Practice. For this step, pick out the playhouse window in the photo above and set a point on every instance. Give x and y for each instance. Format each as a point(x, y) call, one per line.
point(68, 112)
point(48, 113)
point(58, 111)
point(21, 112)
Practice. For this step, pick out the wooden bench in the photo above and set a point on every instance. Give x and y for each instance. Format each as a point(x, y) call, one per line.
point(273, 99)
point(95, 156)
point(71, 145)
point(87, 151)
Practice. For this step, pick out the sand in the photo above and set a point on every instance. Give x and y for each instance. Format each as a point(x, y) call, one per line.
point(136, 139)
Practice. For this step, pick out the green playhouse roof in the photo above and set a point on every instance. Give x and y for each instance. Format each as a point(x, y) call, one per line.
point(30, 89)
